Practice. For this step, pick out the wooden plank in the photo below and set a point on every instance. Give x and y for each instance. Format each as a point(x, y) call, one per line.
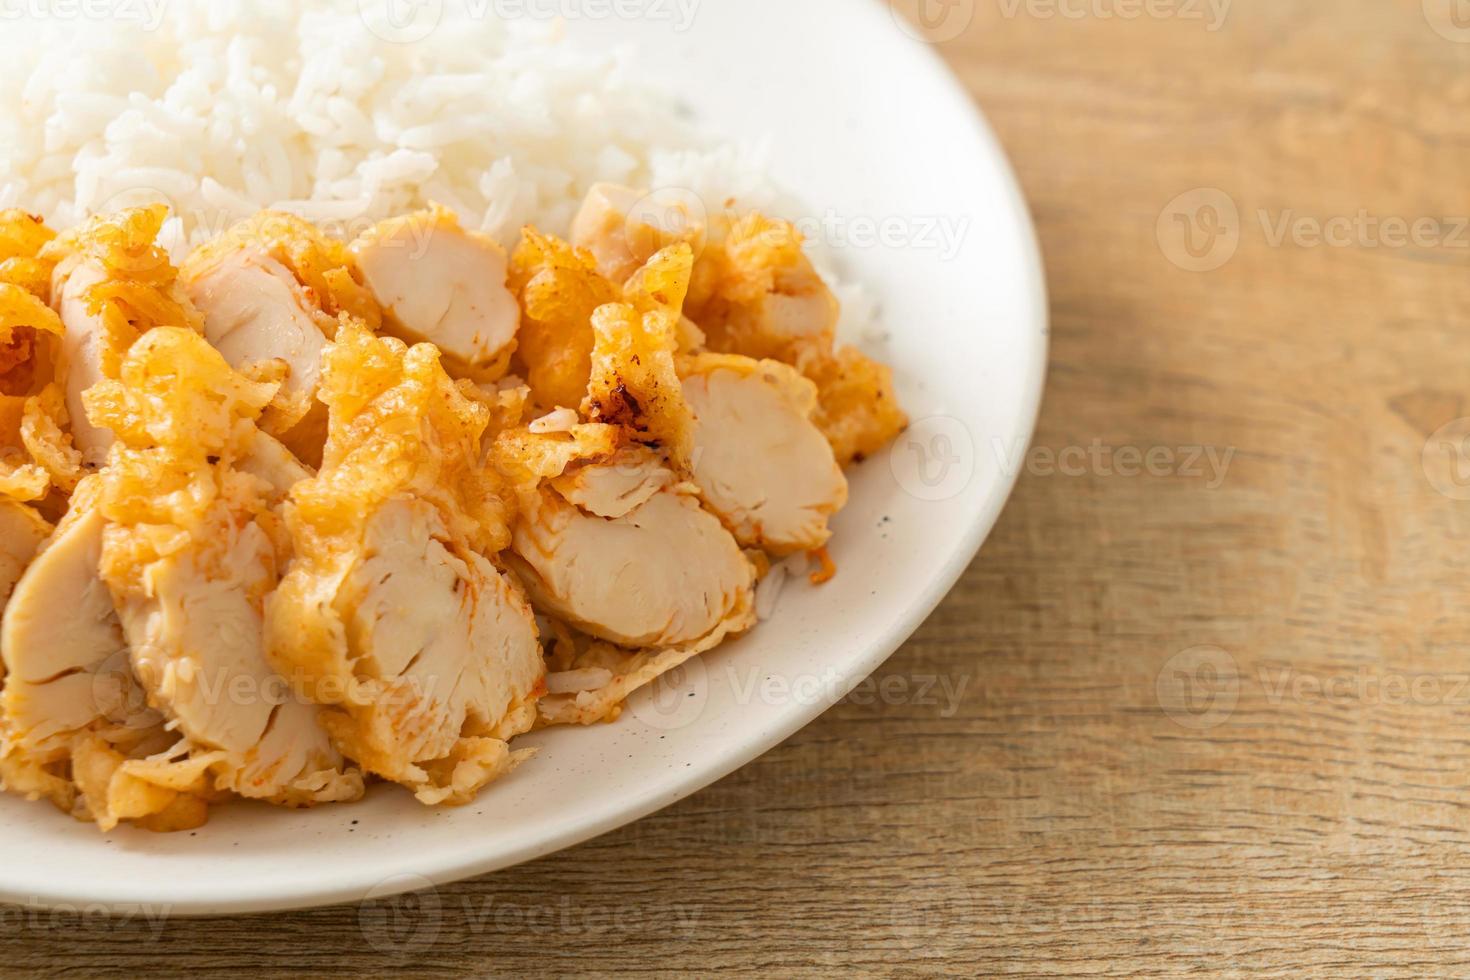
point(1210, 719)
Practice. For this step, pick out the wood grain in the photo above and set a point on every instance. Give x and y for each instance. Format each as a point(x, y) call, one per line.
point(1202, 724)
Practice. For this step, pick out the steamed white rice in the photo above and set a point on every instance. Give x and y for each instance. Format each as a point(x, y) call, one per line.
point(219, 108)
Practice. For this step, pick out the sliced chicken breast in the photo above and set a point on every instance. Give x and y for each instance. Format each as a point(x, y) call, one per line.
point(391, 614)
point(446, 647)
point(759, 461)
point(111, 284)
point(21, 532)
point(70, 682)
point(192, 612)
point(756, 293)
point(83, 348)
point(658, 570)
point(442, 284)
point(622, 228)
point(256, 312)
point(66, 672)
point(618, 486)
point(196, 636)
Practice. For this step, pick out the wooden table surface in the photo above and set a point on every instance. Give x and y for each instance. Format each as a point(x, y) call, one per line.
point(1208, 683)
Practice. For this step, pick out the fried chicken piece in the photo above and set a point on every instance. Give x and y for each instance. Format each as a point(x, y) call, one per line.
point(23, 238)
point(69, 685)
point(21, 532)
point(634, 383)
point(271, 291)
point(622, 228)
point(559, 289)
point(190, 552)
point(755, 292)
point(112, 283)
point(623, 551)
point(857, 406)
point(611, 538)
point(759, 461)
point(392, 613)
point(437, 282)
point(36, 454)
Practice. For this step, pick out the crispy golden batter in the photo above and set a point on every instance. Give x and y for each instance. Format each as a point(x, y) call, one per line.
point(189, 557)
point(36, 453)
point(634, 383)
point(857, 407)
point(175, 407)
point(388, 590)
point(323, 265)
point(559, 288)
point(756, 293)
point(398, 524)
point(23, 237)
point(400, 424)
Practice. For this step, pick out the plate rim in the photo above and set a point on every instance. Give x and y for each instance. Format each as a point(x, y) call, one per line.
point(1033, 337)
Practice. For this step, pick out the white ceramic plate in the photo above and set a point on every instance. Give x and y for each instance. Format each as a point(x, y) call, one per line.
point(868, 123)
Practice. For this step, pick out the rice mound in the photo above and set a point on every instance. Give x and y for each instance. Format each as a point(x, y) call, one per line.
point(227, 108)
point(219, 108)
